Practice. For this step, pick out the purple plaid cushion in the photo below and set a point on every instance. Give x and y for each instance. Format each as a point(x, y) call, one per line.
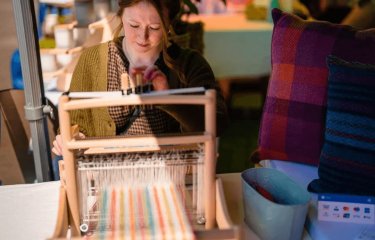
point(293, 120)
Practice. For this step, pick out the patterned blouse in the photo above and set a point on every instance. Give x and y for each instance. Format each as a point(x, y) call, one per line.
point(134, 120)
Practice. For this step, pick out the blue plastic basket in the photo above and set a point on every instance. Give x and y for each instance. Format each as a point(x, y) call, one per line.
point(282, 218)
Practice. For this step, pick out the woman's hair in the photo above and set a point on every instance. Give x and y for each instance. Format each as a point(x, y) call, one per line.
point(163, 7)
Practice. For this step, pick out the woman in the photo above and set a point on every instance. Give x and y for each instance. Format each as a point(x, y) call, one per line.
point(146, 25)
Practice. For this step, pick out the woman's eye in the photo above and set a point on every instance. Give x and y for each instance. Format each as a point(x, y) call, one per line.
point(155, 28)
point(134, 25)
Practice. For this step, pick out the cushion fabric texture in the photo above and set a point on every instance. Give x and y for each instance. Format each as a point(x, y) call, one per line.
point(293, 120)
point(347, 161)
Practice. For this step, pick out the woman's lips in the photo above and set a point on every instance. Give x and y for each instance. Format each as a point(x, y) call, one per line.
point(143, 45)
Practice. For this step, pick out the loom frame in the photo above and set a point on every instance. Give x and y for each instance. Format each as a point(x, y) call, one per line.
point(215, 214)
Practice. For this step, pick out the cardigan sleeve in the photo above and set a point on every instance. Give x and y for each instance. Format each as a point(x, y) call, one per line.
point(198, 73)
point(90, 74)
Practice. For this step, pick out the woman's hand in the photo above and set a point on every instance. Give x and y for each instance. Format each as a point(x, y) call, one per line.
point(154, 75)
point(58, 143)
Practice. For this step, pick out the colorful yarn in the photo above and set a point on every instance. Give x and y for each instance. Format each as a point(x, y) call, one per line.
point(144, 212)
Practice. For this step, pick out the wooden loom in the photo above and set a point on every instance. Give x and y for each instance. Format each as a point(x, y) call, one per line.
point(217, 222)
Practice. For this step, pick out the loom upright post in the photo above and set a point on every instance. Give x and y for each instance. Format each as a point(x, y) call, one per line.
point(69, 166)
point(210, 161)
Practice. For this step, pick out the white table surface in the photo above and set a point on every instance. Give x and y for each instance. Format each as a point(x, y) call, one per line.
point(235, 46)
point(322, 230)
point(29, 211)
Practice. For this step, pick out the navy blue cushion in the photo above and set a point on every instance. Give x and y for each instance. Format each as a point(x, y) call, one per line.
point(347, 161)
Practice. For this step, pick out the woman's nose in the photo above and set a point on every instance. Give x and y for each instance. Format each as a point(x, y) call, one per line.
point(143, 33)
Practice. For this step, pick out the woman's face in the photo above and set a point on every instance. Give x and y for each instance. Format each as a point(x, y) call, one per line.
point(142, 28)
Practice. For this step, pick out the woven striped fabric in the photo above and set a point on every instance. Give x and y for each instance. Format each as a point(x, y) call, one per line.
point(347, 162)
point(143, 212)
point(293, 120)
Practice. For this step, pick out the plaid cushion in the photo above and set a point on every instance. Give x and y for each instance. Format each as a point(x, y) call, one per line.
point(347, 162)
point(293, 121)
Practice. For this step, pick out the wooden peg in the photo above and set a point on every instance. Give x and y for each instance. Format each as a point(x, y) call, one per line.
point(138, 78)
point(124, 83)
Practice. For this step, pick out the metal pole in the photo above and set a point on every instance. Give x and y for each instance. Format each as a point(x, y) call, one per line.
point(24, 14)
